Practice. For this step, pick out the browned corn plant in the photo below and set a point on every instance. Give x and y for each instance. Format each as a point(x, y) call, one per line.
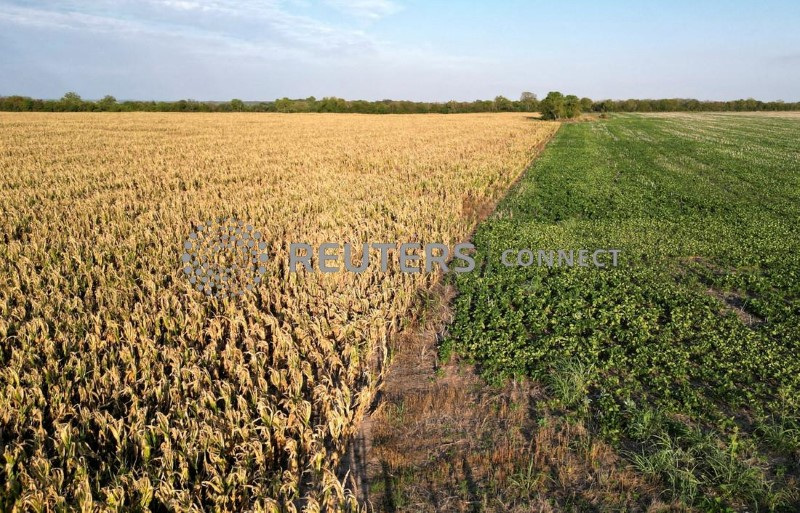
point(122, 387)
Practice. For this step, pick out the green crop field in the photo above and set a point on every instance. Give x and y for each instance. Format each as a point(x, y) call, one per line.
point(685, 355)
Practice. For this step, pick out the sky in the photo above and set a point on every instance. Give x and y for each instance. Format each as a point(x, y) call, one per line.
point(424, 50)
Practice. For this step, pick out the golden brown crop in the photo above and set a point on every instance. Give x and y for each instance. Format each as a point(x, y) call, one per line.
point(121, 387)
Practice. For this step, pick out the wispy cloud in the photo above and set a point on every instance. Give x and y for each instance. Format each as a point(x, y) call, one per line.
point(254, 25)
point(370, 9)
point(210, 49)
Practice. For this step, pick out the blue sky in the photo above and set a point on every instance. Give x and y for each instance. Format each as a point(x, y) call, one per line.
point(401, 49)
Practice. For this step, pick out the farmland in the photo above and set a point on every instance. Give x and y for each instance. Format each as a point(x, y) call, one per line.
point(668, 380)
point(684, 357)
point(124, 388)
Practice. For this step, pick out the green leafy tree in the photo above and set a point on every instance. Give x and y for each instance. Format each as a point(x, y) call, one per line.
point(17, 103)
point(237, 105)
point(107, 103)
point(552, 107)
point(332, 104)
point(283, 105)
point(503, 104)
point(71, 102)
point(572, 106)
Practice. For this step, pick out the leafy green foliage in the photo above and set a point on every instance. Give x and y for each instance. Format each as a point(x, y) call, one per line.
point(552, 107)
point(688, 350)
point(527, 103)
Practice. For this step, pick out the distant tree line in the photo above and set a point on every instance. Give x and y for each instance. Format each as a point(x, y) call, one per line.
point(553, 106)
point(692, 105)
point(72, 102)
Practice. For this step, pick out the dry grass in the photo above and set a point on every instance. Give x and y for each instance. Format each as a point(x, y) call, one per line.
point(441, 440)
point(121, 387)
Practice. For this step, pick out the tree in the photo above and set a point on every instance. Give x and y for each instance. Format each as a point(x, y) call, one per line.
point(502, 104)
point(71, 102)
point(108, 103)
point(552, 107)
point(332, 104)
point(528, 102)
point(17, 103)
point(572, 106)
point(603, 106)
point(237, 105)
point(283, 105)
point(586, 104)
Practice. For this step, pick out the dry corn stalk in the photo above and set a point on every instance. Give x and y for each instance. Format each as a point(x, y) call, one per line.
point(121, 387)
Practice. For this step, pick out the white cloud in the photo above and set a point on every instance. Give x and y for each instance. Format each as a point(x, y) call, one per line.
point(254, 25)
point(215, 49)
point(370, 9)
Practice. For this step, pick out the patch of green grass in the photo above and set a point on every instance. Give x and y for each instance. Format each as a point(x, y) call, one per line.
point(569, 381)
point(396, 413)
point(701, 207)
point(527, 481)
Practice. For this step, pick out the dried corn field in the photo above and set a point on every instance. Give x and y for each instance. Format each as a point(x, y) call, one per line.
point(122, 387)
